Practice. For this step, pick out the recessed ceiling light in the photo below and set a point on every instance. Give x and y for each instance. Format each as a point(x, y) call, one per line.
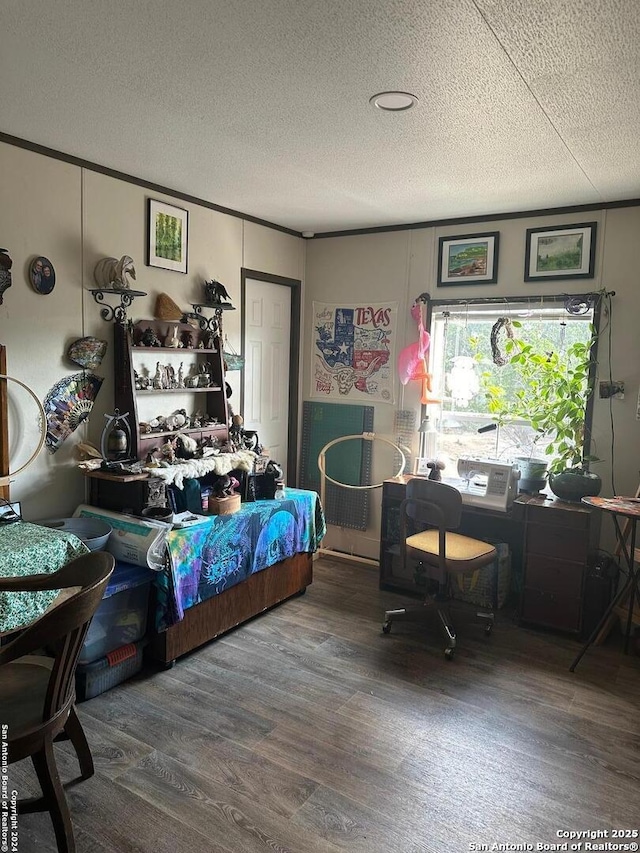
point(393, 101)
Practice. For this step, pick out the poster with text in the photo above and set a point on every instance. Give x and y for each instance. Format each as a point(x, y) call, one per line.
point(354, 351)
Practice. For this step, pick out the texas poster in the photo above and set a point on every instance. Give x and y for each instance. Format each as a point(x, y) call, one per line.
point(354, 351)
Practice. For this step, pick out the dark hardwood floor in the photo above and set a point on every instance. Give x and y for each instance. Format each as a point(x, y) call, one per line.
point(308, 730)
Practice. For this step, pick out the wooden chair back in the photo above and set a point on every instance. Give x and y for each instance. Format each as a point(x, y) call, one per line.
point(63, 628)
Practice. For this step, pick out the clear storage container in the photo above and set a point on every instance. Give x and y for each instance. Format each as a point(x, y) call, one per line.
point(121, 617)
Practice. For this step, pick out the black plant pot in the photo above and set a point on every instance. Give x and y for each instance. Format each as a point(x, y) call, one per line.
point(572, 484)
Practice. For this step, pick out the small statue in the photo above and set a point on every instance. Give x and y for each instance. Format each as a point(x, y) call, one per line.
point(435, 467)
point(187, 340)
point(168, 451)
point(172, 339)
point(236, 431)
point(180, 379)
point(158, 378)
point(149, 338)
point(224, 486)
point(113, 274)
point(186, 447)
point(215, 293)
point(210, 341)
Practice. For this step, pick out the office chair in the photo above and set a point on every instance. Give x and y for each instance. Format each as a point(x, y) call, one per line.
point(38, 692)
point(437, 507)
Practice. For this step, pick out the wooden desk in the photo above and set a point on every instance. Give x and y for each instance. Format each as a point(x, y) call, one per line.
point(476, 522)
point(550, 543)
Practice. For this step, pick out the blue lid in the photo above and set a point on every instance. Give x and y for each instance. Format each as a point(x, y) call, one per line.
point(127, 576)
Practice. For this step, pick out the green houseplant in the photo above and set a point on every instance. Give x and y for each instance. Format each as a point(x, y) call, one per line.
point(552, 393)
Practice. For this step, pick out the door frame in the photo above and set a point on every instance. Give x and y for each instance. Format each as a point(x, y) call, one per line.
point(294, 357)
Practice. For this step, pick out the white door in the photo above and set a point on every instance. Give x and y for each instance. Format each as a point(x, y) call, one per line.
point(267, 341)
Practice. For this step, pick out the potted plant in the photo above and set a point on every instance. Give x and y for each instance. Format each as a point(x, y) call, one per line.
point(552, 393)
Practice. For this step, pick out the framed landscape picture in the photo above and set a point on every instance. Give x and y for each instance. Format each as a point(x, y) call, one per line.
point(565, 251)
point(168, 236)
point(470, 259)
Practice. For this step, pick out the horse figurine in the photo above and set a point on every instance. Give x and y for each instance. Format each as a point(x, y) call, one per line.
point(113, 274)
point(216, 293)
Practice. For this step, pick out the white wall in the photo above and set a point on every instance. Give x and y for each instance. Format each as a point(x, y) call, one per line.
point(402, 264)
point(74, 217)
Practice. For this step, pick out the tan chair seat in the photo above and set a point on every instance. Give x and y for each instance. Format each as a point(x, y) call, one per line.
point(462, 554)
point(24, 686)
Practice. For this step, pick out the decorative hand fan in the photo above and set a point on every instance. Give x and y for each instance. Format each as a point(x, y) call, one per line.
point(68, 404)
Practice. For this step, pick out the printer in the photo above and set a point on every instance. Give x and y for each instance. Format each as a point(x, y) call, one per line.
point(486, 483)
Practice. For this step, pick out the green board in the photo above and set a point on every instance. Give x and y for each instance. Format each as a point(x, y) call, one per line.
point(348, 462)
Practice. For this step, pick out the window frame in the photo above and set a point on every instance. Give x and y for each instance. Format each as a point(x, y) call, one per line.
point(507, 302)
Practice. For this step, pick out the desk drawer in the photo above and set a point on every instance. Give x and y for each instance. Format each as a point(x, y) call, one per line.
point(557, 542)
point(554, 576)
point(552, 611)
point(569, 516)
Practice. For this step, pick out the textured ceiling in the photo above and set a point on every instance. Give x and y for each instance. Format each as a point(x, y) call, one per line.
point(263, 106)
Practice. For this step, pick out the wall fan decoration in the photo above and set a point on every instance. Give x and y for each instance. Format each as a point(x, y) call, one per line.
point(68, 404)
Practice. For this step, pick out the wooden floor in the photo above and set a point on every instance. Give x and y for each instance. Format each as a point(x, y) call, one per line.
point(308, 730)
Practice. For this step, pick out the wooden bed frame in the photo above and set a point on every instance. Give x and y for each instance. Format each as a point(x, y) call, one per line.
point(231, 608)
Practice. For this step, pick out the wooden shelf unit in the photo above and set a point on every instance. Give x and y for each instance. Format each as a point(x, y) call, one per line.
point(126, 352)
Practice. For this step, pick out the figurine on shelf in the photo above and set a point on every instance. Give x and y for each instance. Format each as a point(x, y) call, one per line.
point(180, 379)
point(113, 274)
point(157, 379)
point(168, 451)
point(209, 446)
point(236, 431)
point(172, 339)
point(216, 293)
point(186, 447)
point(187, 340)
point(210, 340)
point(149, 338)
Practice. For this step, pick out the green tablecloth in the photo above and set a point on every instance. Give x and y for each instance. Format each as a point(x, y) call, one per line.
point(29, 549)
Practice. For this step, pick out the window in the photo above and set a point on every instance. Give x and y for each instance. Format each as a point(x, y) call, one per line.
point(463, 358)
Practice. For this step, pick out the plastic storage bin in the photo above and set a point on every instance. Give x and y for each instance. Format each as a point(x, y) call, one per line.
point(95, 678)
point(121, 617)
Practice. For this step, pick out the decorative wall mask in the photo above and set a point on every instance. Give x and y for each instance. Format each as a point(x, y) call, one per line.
point(5, 274)
point(114, 274)
point(42, 275)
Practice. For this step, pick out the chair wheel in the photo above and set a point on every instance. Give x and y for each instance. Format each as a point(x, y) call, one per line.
point(386, 627)
point(448, 653)
point(488, 629)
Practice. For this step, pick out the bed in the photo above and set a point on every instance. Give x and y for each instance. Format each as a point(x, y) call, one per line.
point(222, 573)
